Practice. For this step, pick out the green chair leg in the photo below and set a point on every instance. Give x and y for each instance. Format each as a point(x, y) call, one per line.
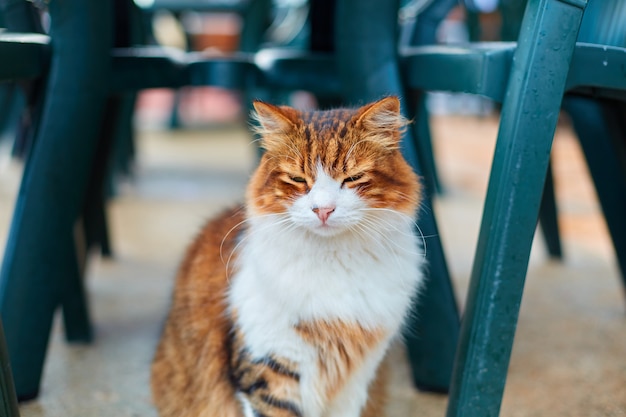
point(91, 230)
point(512, 13)
point(40, 255)
point(527, 126)
point(11, 102)
point(548, 218)
point(416, 106)
point(433, 329)
point(8, 399)
point(115, 119)
point(367, 58)
point(601, 130)
point(73, 297)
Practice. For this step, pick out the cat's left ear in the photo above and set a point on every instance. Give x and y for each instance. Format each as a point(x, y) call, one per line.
point(274, 122)
point(383, 121)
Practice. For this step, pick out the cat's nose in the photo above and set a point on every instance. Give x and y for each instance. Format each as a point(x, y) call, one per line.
point(323, 212)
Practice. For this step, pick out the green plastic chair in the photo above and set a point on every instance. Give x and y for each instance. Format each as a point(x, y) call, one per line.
point(531, 78)
point(593, 118)
point(24, 57)
point(512, 13)
point(51, 200)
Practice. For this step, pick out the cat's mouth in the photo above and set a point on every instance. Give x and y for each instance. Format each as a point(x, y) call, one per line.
point(328, 228)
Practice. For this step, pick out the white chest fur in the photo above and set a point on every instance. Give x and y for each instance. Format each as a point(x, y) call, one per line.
point(286, 276)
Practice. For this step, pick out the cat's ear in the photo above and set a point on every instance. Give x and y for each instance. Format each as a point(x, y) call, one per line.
point(382, 121)
point(273, 121)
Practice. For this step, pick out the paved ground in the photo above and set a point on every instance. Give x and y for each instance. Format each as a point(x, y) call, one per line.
point(569, 358)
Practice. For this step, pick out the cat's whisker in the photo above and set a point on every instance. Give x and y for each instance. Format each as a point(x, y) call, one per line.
point(380, 240)
point(415, 224)
point(384, 236)
point(226, 236)
point(376, 222)
point(421, 234)
point(256, 142)
point(374, 213)
point(392, 226)
point(282, 218)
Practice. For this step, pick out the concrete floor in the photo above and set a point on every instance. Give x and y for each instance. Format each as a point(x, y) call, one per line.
point(569, 357)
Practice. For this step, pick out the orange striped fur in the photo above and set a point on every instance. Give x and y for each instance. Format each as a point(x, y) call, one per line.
point(341, 350)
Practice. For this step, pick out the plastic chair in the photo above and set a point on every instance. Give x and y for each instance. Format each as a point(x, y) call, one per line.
point(531, 79)
point(594, 118)
point(23, 57)
point(51, 200)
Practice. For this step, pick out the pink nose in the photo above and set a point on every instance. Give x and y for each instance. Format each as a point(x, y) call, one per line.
point(323, 212)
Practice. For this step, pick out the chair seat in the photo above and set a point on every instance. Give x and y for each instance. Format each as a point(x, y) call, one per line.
point(138, 68)
point(235, 6)
point(293, 69)
point(482, 63)
point(23, 55)
point(486, 67)
point(598, 71)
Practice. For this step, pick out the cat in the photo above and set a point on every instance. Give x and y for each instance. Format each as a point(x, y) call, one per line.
point(286, 307)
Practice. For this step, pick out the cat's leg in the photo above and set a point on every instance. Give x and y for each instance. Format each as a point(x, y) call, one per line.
point(312, 391)
point(351, 401)
point(266, 386)
point(346, 358)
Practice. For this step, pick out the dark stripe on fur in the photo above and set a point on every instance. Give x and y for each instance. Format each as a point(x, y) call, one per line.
point(282, 404)
point(277, 367)
point(259, 384)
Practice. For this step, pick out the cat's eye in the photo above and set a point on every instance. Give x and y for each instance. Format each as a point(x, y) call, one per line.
point(300, 180)
point(352, 178)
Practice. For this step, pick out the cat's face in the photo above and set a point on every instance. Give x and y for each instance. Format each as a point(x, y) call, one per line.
point(326, 170)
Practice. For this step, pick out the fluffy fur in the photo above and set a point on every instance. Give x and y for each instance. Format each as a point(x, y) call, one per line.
point(287, 306)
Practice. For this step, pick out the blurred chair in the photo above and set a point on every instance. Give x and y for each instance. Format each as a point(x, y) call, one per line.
point(24, 58)
point(41, 269)
point(530, 78)
point(599, 122)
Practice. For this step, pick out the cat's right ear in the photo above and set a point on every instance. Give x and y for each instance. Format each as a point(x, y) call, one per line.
point(273, 121)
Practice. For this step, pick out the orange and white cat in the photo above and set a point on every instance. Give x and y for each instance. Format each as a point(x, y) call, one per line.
point(287, 306)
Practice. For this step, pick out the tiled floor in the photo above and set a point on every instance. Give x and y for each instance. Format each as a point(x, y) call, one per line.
point(569, 358)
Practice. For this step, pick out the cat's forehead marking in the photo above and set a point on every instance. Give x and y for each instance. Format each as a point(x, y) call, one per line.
point(324, 133)
point(327, 121)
